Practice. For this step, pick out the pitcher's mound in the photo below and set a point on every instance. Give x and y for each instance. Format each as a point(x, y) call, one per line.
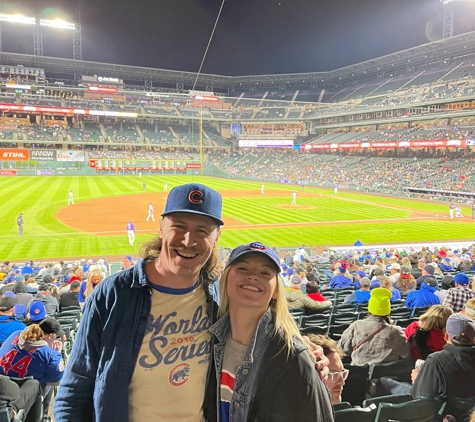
point(297, 207)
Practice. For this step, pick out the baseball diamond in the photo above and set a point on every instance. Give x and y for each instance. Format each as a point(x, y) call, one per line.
point(95, 225)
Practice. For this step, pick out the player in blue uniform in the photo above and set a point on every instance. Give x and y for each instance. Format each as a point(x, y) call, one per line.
point(35, 352)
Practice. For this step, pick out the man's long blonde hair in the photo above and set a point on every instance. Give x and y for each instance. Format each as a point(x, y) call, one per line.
point(284, 323)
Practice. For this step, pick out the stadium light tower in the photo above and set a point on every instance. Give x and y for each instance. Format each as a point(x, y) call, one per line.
point(51, 18)
point(449, 17)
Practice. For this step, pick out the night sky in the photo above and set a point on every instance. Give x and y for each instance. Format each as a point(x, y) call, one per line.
point(252, 36)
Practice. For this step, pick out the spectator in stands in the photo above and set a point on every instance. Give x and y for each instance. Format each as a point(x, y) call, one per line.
point(357, 277)
point(289, 258)
point(446, 264)
point(254, 325)
point(395, 270)
point(8, 322)
point(313, 291)
point(458, 296)
point(297, 299)
point(289, 275)
point(469, 309)
point(378, 274)
point(70, 298)
point(386, 284)
point(466, 264)
point(17, 398)
point(342, 279)
point(406, 282)
point(32, 285)
point(38, 346)
point(375, 339)
point(338, 374)
point(44, 295)
point(448, 375)
point(425, 296)
point(26, 269)
point(311, 271)
point(427, 272)
point(446, 283)
point(94, 277)
point(361, 295)
point(36, 313)
point(427, 335)
point(21, 293)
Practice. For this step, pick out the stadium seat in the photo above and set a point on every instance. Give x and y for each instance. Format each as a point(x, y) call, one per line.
point(343, 318)
point(297, 311)
point(405, 322)
point(335, 331)
point(417, 312)
point(399, 370)
point(400, 313)
point(327, 311)
point(357, 414)
point(356, 384)
point(394, 399)
point(362, 307)
point(317, 329)
point(315, 320)
point(341, 406)
point(412, 411)
point(397, 304)
point(344, 308)
point(6, 415)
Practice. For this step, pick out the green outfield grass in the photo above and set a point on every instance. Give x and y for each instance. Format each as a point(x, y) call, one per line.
point(343, 217)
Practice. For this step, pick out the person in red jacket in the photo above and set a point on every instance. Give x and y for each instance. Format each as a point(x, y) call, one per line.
point(313, 291)
point(427, 335)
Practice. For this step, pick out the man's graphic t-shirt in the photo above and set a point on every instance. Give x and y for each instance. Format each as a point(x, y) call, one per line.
point(170, 375)
point(234, 354)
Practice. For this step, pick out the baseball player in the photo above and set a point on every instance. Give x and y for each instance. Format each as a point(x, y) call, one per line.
point(19, 221)
point(144, 186)
point(165, 187)
point(71, 198)
point(262, 189)
point(294, 198)
point(452, 210)
point(335, 189)
point(458, 213)
point(131, 232)
point(151, 212)
point(473, 210)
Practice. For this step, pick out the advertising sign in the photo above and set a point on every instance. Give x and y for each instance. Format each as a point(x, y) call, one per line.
point(193, 165)
point(44, 172)
point(42, 155)
point(8, 173)
point(14, 154)
point(69, 155)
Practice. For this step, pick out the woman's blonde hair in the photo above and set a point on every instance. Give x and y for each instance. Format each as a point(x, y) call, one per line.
point(96, 272)
point(33, 333)
point(435, 318)
point(284, 323)
point(80, 273)
point(386, 283)
point(470, 308)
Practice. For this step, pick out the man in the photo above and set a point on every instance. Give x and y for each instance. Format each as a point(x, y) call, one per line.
point(395, 270)
point(448, 375)
point(71, 198)
point(341, 280)
point(147, 326)
point(473, 210)
point(294, 198)
point(262, 189)
point(427, 272)
point(26, 269)
point(44, 295)
point(362, 295)
point(165, 187)
point(8, 323)
point(17, 398)
point(457, 296)
point(19, 221)
point(151, 212)
point(144, 186)
point(451, 210)
point(425, 296)
point(70, 298)
point(297, 299)
point(131, 232)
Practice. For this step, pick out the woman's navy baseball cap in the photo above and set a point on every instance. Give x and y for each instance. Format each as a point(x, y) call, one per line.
point(195, 198)
point(254, 247)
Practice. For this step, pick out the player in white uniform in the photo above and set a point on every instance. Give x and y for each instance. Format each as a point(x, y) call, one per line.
point(458, 212)
point(151, 212)
point(294, 198)
point(452, 210)
point(131, 232)
point(262, 189)
point(165, 187)
point(71, 198)
point(335, 190)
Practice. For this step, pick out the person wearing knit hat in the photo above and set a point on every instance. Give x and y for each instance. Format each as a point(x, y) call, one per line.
point(406, 282)
point(458, 296)
point(449, 374)
point(375, 339)
point(427, 272)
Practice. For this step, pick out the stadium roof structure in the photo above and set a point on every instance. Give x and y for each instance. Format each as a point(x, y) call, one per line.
point(440, 51)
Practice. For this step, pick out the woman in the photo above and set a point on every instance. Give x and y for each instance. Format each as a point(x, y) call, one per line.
point(469, 309)
point(427, 335)
point(313, 292)
point(261, 365)
point(375, 339)
point(406, 282)
point(94, 277)
point(35, 352)
point(31, 285)
point(386, 284)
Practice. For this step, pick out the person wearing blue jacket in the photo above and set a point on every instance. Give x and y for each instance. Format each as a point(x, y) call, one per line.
point(446, 265)
point(425, 296)
point(341, 280)
point(361, 295)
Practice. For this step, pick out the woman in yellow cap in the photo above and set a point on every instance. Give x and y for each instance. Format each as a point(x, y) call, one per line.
point(375, 339)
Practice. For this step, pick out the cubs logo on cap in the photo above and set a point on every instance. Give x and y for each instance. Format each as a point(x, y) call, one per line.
point(195, 198)
point(254, 247)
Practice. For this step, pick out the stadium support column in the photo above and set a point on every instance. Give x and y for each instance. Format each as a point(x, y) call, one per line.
point(201, 138)
point(77, 43)
point(448, 30)
point(38, 40)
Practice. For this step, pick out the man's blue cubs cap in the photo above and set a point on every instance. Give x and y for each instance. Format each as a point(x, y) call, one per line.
point(254, 247)
point(195, 198)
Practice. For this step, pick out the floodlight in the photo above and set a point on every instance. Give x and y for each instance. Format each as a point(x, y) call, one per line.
point(17, 18)
point(57, 23)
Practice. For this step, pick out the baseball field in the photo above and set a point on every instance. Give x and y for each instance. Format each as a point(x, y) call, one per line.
point(95, 226)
